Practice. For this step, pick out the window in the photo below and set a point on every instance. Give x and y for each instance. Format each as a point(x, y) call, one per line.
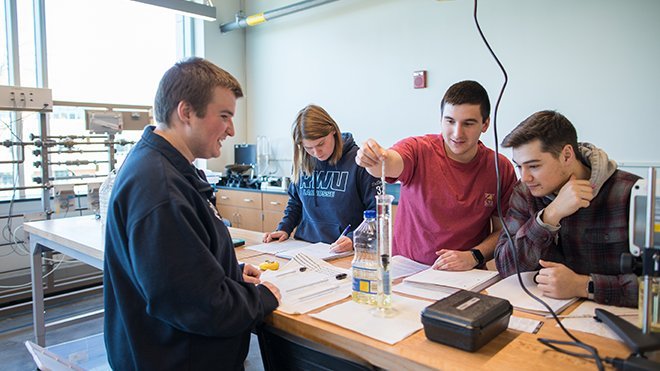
point(109, 52)
point(98, 52)
point(6, 127)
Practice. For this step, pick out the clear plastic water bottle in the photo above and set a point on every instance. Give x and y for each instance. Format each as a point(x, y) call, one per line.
point(365, 261)
point(104, 195)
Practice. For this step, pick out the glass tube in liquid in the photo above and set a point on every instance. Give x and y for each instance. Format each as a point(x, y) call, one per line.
point(384, 217)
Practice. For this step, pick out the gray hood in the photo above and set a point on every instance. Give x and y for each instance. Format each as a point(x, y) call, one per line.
point(601, 165)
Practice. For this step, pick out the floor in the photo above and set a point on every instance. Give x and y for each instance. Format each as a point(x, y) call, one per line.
point(15, 329)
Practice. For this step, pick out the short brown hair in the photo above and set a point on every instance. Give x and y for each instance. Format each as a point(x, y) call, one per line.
point(192, 80)
point(313, 122)
point(467, 92)
point(552, 128)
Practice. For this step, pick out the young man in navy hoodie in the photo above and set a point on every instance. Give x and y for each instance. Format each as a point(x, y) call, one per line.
point(175, 296)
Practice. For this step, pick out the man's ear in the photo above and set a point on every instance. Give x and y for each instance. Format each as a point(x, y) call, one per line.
point(568, 153)
point(184, 111)
point(486, 125)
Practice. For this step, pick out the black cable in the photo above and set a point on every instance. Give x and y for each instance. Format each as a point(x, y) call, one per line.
point(548, 342)
point(8, 125)
point(7, 232)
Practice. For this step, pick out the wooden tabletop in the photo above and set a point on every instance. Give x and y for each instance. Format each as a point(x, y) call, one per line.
point(511, 350)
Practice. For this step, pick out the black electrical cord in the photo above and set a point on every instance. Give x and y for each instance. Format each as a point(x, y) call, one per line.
point(593, 352)
point(7, 232)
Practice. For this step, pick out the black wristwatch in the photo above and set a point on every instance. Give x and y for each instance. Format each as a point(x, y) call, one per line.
point(590, 289)
point(478, 256)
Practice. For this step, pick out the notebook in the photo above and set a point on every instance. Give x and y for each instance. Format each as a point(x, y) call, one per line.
point(403, 267)
point(307, 283)
point(472, 280)
point(275, 246)
point(509, 289)
point(318, 250)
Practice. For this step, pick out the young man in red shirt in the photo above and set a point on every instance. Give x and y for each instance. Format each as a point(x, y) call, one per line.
point(447, 213)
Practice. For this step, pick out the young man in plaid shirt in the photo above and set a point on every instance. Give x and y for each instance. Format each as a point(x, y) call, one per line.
point(568, 214)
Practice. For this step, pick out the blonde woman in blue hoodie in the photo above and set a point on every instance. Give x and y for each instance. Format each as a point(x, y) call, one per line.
point(329, 191)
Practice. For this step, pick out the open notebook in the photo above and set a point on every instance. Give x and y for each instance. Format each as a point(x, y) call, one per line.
point(317, 284)
point(290, 248)
point(509, 289)
point(318, 250)
point(472, 280)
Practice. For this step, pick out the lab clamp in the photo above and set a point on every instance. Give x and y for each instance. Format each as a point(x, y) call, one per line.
point(644, 259)
point(46, 146)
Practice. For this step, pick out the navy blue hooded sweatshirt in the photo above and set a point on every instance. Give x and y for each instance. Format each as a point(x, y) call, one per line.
point(174, 292)
point(321, 205)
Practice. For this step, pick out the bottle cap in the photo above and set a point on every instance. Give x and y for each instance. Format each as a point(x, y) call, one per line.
point(369, 214)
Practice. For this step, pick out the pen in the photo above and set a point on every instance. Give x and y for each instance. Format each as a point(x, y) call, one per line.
point(342, 234)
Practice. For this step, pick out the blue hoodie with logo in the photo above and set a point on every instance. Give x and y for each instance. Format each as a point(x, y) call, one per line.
point(321, 205)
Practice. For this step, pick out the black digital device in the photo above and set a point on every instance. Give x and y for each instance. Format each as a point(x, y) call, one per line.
point(245, 154)
point(466, 320)
point(238, 242)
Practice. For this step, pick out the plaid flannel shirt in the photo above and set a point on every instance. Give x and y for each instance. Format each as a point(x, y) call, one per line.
point(590, 241)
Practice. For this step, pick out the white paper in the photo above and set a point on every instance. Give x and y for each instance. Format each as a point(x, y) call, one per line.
point(432, 292)
point(590, 325)
point(315, 287)
point(404, 267)
point(319, 250)
point(524, 324)
point(275, 246)
point(509, 289)
point(472, 280)
point(358, 318)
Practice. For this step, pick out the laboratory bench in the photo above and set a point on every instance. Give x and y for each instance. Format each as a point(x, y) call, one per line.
point(509, 350)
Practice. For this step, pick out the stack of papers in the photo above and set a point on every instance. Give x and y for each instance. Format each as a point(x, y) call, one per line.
point(307, 283)
point(276, 246)
point(289, 248)
point(359, 318)
point(319, 250)
point(509, 289)
point(582, 319)
point(432, 292)
point(404, 267)
point(437, 284)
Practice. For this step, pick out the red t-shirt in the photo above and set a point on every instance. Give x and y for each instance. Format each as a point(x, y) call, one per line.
point(445, 204)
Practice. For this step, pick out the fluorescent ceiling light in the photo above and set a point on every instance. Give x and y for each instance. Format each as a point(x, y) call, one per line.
point(187, 8)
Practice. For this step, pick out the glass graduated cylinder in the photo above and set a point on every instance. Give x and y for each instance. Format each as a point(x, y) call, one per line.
point(384, 217)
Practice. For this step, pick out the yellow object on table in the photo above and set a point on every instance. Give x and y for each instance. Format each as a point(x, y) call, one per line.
point(268, 264)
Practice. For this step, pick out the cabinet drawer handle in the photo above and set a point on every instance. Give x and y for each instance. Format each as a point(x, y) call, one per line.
point(247, 200)
point(275, 203)
point(224, 197)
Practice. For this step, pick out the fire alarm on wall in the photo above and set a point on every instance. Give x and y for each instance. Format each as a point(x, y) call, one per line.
point(419, 79)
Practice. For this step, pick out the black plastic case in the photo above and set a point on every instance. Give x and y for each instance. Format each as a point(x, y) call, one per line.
point(466, 320)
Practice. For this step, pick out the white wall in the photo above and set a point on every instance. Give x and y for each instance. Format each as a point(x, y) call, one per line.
point(596, 61)
point(228, 52)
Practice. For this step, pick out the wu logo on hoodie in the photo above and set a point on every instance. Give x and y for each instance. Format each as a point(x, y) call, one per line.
point(324, 183)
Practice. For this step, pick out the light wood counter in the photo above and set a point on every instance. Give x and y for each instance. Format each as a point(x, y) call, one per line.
point(511, 350)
